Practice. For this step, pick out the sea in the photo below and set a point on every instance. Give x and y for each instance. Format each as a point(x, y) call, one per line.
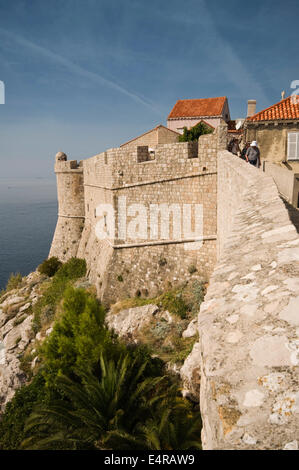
point(28, 215)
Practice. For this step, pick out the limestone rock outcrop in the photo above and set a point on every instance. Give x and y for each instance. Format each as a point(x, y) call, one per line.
point(127, 322)
point(190, 374)
point(15, 334)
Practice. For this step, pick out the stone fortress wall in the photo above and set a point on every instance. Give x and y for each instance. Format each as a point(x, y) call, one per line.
point(249, 321)
point(248, 324)
point(177, 173)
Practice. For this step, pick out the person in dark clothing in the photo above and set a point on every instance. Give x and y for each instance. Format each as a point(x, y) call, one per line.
point(233, 146)
point(253, 154)
point(243, 153)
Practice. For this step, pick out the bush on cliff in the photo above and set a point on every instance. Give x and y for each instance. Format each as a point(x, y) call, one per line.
point(14, 281)
point(78, 336)
point(18, 410)
point(44, 309)
point(93, 391)
point(50, 266)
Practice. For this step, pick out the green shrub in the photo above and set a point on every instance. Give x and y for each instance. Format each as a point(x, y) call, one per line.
point(195, 132)
point(44, 309)
point(50, 266)
point(74, 268)
point(17, 412)
point(173, 302)
point(78, 337)
point(194, 294)
point(14, 281)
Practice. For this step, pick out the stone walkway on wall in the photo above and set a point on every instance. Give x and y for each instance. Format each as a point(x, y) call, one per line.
point(249, 322)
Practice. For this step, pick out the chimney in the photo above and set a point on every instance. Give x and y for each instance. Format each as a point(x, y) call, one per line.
point(283, 93)
point(251, 108)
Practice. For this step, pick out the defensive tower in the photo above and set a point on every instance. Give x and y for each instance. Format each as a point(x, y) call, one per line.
point(71, 213)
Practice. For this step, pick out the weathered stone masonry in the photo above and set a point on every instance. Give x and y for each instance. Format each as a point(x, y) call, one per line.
point(179, 173)
point(70, 223)
point(249, 322)
point(248, 355)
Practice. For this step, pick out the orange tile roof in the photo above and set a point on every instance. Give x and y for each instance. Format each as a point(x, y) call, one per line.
point(285, 109)
point(198, 108)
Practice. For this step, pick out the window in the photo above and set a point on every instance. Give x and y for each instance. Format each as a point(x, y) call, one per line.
point(293, 146)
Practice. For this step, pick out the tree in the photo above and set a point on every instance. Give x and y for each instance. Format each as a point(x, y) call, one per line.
point(195, 132)
point(93, 406)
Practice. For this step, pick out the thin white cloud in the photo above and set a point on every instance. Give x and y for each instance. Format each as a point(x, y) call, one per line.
point(228, 66)
point(77, 69)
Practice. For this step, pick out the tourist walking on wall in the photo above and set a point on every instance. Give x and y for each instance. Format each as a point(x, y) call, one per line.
point(243, 153)
point(253, 154)
point(233, 147)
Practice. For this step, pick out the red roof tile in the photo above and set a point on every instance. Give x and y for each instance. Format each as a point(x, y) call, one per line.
point(198, 108)
point(285, 109)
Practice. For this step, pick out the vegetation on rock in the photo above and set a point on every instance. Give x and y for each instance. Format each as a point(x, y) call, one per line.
point(44, 309)
point(50, 266)
point(91, 390)
point(14, 281)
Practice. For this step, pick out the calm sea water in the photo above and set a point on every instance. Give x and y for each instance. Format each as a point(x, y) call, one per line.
point(28, 214)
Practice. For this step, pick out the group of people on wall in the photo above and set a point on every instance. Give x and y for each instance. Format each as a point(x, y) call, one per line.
point(250, 152)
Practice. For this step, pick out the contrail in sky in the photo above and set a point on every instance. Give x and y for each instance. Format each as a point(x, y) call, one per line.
point(77, 68)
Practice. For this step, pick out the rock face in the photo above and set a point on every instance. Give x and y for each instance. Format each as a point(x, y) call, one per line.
point(15, 335)
point(190, 374)
point(128, 321)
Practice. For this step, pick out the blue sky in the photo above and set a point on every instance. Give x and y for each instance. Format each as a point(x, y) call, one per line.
point(85, 75)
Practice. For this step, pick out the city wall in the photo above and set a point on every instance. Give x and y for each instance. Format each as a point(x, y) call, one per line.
point(175, 174)
point(249, 322)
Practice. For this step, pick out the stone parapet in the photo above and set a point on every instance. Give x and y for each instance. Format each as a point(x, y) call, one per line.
point(249, 321)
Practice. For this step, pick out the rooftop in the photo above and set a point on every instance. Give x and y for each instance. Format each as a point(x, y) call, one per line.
point(198, 107)
point(284, 109)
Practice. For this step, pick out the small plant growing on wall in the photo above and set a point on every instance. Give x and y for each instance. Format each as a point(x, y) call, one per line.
point(120, 278)
point(192, 269)
point(162, 261)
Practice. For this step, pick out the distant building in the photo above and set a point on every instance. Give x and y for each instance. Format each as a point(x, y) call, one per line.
point(158, 135)
point(188, 113)
point(276, 130)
